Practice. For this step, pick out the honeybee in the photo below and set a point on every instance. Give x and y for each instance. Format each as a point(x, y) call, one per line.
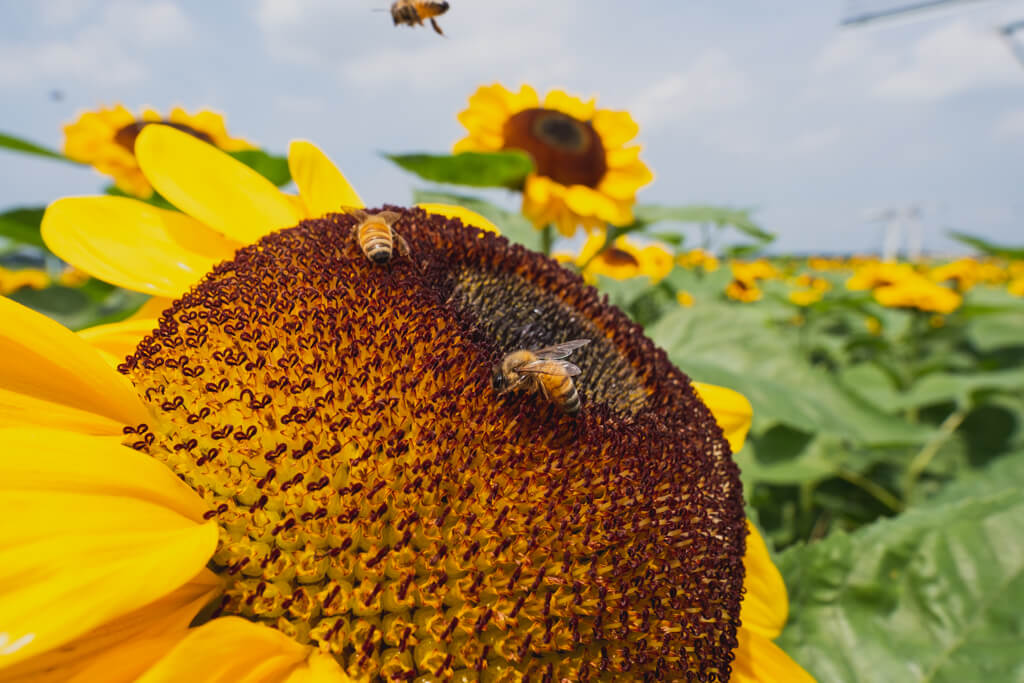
point(377, 237)
point(413, 12)
point(542, 370)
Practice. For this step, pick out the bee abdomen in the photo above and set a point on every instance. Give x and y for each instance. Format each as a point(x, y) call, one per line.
point(567, 396)
point(377, 242)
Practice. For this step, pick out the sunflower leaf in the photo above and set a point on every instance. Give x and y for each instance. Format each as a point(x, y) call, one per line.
point(22, 226)
point(512, 225)
point(475, 169)
point(25, 147)
point(720, 217)
point(986, 247)
point(931, 595)
point(272, 167)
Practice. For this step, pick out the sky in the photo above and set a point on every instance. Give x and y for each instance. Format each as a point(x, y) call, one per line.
point(760, 104)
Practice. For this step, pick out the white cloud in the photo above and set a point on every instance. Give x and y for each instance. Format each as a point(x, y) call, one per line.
point(712, 83)
point(1010, 125)
point(952, 59)
point(107, 51)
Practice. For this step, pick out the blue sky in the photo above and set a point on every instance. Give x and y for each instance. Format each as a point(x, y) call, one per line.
point(761, 104)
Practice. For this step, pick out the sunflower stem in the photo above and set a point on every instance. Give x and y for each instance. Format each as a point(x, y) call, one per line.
point(873, 489)
point(925, 456)
point(547, 237)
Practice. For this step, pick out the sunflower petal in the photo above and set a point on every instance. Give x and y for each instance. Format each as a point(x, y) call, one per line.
point(122, 649)
point(731, 409)
point(74, 561)
point(132, 244)
point(616, 128)
point(323, 187)
point(759, 660)
point(233, 649)
point(567, 104)
point(765, 605)
point(76, 463)
point(211, 186)
point(43, 361)
point(119, 339)
point(468, 217)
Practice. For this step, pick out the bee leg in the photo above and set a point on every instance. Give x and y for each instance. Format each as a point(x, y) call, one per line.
point(436, 27)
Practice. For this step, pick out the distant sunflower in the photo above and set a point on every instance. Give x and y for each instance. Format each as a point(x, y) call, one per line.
point(584, 172)
point(105, 139)
point(316, 482)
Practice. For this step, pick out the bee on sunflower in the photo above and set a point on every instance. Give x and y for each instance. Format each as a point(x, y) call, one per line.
point(296, 471)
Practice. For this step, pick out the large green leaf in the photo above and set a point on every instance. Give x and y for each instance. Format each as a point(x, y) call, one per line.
point(933, 595)
point(709, 215)
point(512, 225)
point(986, 247)
point(22, 225)
point(17, 144)
point(476, 169)
point(273, 168)
point(996, 330)
point(739, 346)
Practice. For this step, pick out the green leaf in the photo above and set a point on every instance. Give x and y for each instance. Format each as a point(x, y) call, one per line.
point(512, 225)
point(997, 330)
point(273, 168)
point(476, 169)
point(932, 595)
point(986, 247)
point(25, 147)
point(155, 199)
point(718, 216)
point(22, 226)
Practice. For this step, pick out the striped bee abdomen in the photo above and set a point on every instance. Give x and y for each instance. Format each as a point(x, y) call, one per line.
point(377, 241)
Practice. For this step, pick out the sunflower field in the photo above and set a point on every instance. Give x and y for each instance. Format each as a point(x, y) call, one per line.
point(875, 411)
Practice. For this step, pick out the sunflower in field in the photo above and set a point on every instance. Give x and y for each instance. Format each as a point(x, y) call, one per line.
point(105, 139)
point(620, 261)
point(585, 174)
point(299, 470)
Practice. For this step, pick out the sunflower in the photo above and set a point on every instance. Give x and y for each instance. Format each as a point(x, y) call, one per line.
point(620, 261)
point(105, 139)
point(299, 472)
point(585, 174)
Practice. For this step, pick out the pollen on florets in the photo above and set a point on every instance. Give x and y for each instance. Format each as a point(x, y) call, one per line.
point(379, 501)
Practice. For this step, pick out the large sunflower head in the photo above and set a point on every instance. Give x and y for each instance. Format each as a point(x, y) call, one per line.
point(317, 480)
point(105, 139)
point(585, 174)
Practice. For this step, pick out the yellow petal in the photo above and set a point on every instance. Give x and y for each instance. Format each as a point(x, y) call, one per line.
point(616, 128)
point(323, 187)
point(122, 649)
point(468, 217)
point(75, 561)
point(319, 668)
point(119, 339)
point(622, 183)
point(34, 459)
point(44, 361)
point(132, 244)
point(765, 605)
point(231, 649)
point(211, 186)
point(731, 409)
point(759, 660)
point(567, 104)
point(18, 410)
point(152, 308)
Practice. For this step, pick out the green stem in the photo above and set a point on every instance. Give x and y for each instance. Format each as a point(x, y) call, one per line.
point(547, 237)
point(872, 488)
point(924, 457)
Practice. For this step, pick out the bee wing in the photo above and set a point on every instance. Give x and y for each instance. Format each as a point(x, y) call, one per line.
point(543, 367)
point(389, 217)
point(355, 212)
point(560, 350)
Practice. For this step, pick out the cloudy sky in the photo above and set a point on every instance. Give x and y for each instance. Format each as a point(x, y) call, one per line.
point(760, 103)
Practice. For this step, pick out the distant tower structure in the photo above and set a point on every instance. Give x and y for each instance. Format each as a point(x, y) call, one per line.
point(903, 231)
point(858, 12)
point(1012, 34)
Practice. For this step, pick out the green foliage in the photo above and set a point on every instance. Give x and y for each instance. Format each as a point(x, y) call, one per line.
point(273, 168)
point(474, 169)
point(21, 226)
point(931, 595)
point(719, 217)
point(16, 144)
point(986, 247)
point(94, 303)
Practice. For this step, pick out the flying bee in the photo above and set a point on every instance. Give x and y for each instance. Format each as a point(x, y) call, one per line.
point(377, 237)
point(542, 370)
point(413, 12)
